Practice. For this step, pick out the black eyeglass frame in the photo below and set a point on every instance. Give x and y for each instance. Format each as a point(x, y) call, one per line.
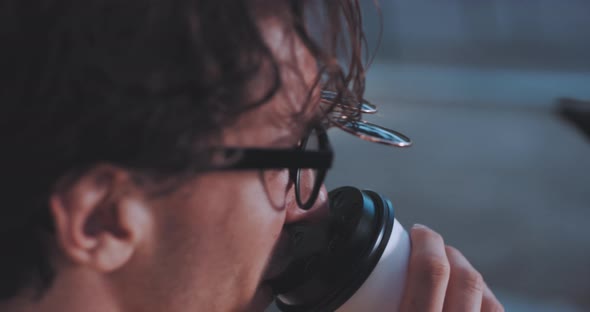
point(293, 159)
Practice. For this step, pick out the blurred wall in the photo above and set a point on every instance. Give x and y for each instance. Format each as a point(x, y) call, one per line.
point(550, 34)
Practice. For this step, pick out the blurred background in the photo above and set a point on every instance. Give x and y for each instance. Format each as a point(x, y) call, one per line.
point(494, 168)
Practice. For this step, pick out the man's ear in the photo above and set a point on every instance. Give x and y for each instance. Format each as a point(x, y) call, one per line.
point(101, 218)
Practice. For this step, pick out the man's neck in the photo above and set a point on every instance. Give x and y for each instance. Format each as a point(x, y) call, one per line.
point(69, 293)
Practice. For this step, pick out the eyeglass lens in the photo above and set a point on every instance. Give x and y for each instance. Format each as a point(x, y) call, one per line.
point(307, 178)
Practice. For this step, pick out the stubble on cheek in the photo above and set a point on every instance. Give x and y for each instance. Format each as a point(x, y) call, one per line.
point(221, 248)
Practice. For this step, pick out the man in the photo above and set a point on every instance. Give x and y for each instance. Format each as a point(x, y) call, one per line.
point(125, 128)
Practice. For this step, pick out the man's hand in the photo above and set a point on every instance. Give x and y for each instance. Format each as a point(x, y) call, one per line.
point(441, 279)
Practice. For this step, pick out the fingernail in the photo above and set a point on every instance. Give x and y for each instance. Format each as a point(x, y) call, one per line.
point(420, 226)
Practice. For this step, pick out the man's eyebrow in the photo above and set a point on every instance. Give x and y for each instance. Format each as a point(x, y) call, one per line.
point(293, 138)
point(285, 141)
point(290, 139)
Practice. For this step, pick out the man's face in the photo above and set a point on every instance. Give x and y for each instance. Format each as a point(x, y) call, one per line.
point(215, 235)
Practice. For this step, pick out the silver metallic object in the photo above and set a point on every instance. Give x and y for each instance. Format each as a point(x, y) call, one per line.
point(365, 106)
point(346, 114)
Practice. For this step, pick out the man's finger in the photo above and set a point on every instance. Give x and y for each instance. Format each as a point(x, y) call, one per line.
point(428, 272)
point(466, 285)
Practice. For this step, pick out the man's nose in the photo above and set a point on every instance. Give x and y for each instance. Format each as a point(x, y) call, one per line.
point(319, 209)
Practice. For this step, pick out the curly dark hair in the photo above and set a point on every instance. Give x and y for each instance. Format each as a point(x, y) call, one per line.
point(134, 83)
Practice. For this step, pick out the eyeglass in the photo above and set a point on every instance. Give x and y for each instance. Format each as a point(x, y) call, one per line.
point(309, 162)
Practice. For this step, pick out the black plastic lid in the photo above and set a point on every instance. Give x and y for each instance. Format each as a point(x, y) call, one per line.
point(334, 257)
